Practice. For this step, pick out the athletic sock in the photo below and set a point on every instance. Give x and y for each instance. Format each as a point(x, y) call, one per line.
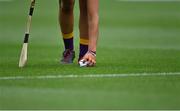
point(68, 41)
point(83, 47)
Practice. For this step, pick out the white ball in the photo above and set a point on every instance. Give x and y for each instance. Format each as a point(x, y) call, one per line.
point(83, 63)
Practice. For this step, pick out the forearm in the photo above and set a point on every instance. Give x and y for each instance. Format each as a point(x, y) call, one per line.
point(93, 24)
point(93, 32)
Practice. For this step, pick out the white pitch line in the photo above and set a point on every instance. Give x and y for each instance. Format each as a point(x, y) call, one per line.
point(148, 0)
point(89, 76)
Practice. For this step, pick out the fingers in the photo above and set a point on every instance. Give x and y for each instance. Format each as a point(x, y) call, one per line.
point(91, 63)
point(90, 60)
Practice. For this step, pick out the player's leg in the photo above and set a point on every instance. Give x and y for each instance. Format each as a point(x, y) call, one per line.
point(83, 27)
point(66, 20)
point(93, 25)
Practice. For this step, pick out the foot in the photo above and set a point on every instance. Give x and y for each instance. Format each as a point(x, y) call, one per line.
point(68, 56)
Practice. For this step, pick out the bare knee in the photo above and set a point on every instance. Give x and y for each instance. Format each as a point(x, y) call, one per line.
point(67, 6)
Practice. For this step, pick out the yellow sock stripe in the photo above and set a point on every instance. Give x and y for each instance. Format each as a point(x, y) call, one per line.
point(68, 36)
point(84, 41)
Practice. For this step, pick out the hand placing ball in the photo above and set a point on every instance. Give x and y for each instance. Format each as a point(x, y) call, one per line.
point(89, 60)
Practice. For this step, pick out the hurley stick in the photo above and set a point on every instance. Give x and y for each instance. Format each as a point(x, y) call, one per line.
point(24, 51)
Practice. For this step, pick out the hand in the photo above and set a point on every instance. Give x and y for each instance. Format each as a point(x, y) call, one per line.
point(90, 58)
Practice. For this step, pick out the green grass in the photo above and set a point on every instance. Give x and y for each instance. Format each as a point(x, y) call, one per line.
point(134, 38)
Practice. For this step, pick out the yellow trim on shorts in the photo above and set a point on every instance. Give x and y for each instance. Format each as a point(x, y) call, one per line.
point(84, 41)
point(67, 36)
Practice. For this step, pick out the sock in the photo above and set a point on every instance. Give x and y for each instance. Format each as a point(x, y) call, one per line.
point(83, 47)
point(68, 41)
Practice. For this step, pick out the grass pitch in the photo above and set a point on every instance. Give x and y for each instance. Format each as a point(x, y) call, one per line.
point(135, 37)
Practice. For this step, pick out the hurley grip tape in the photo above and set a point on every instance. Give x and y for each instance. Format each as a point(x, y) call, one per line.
point(26, 38)
point(31, 11)
point(32, 8)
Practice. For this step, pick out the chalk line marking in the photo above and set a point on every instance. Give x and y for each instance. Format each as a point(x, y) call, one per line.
point(148, 0)
point(90, 76)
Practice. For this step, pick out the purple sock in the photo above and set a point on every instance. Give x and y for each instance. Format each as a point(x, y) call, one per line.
point(69, 44)
point(83, 50)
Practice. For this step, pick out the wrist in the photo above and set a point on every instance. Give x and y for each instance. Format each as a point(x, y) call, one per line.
point(92, 49)
point(92, 52)
point(92, 46)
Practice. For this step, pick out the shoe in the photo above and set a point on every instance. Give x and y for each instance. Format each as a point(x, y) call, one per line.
point(68, 56)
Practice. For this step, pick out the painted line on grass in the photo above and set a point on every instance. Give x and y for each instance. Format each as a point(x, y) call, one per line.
point(90, 76)
point(148, 0)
